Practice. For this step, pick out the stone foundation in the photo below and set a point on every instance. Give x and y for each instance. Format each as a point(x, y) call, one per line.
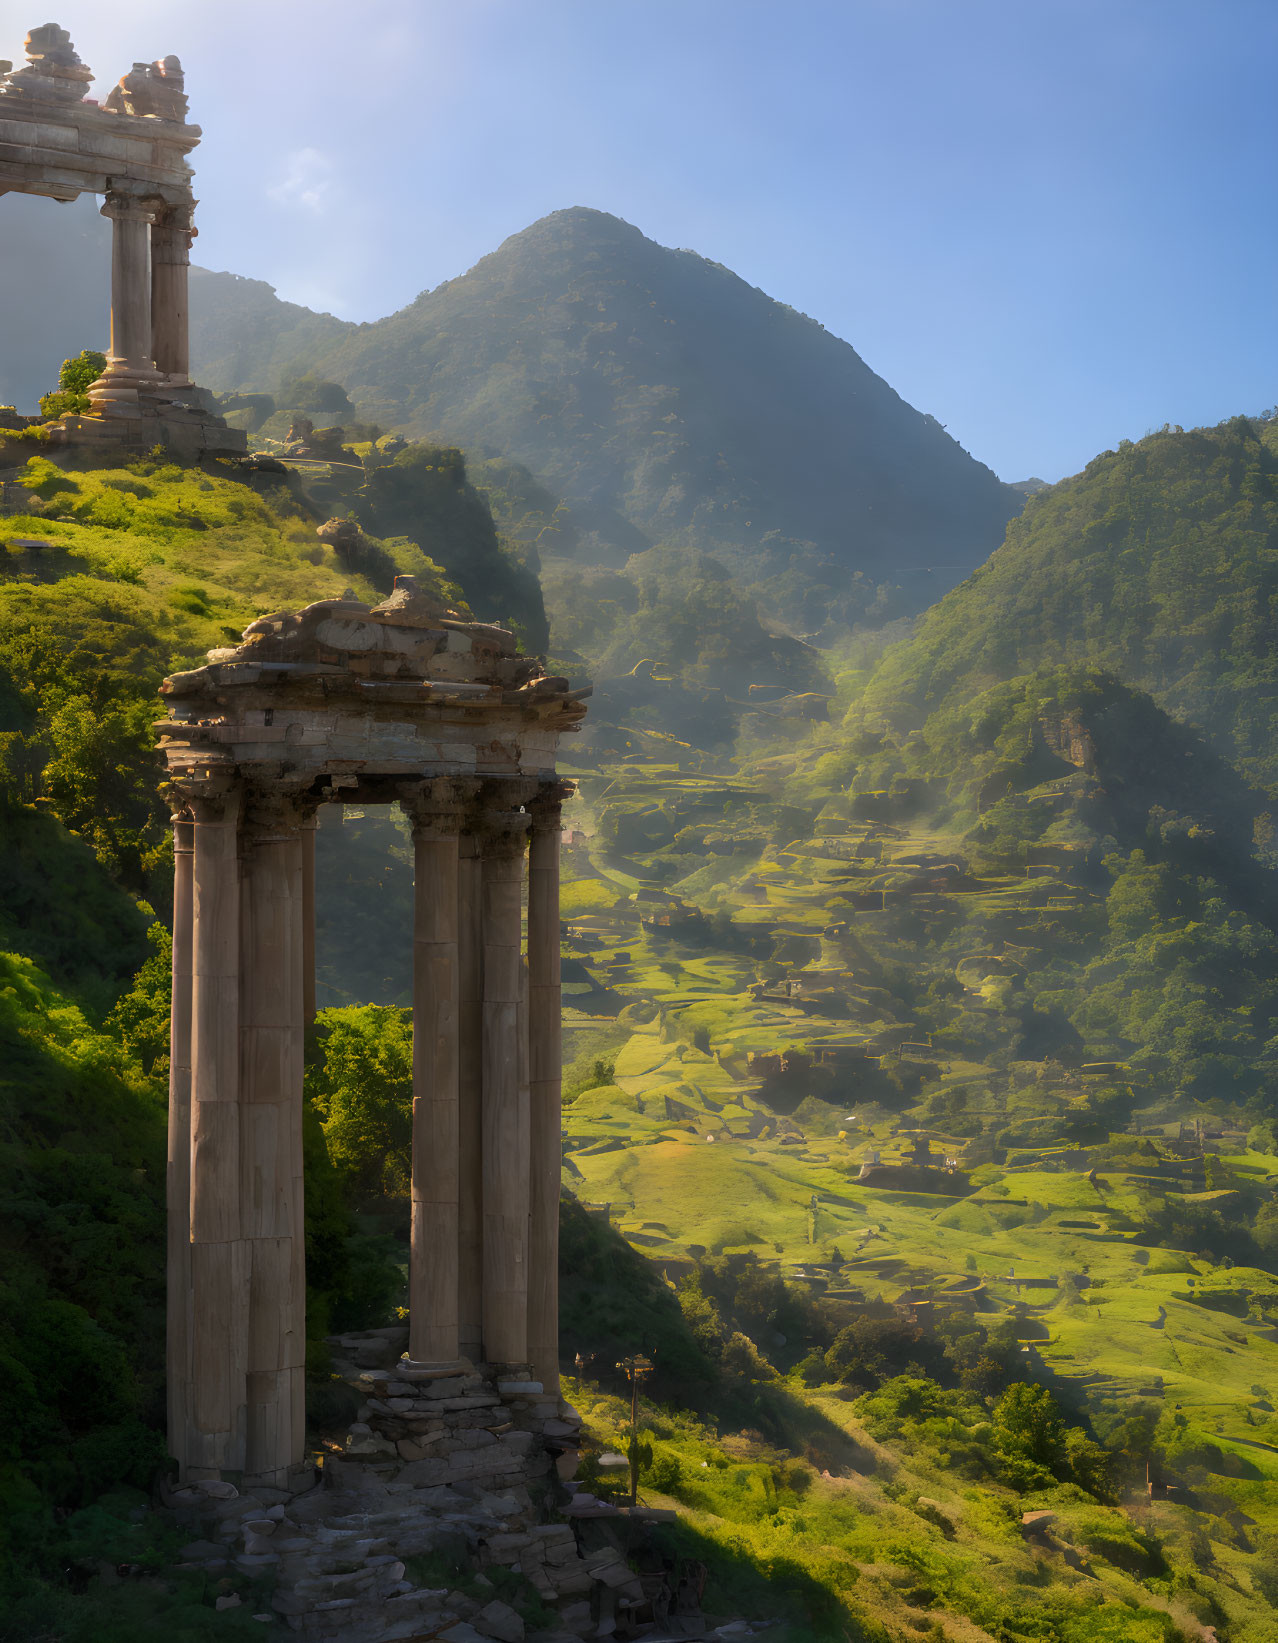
point(185, 429)
point(460, 1464)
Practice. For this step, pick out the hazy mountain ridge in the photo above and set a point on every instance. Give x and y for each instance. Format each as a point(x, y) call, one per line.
point(657, 388)
point(260, 338)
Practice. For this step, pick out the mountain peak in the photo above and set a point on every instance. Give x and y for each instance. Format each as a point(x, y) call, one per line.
point(675, 403)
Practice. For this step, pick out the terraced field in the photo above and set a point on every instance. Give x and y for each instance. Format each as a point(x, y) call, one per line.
point(761, 1086)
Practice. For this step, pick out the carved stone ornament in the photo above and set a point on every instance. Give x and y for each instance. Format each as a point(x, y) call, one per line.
point(440, 808)
point(53, 71)
point(276, 812)
point(546, 806)
point(151, 91)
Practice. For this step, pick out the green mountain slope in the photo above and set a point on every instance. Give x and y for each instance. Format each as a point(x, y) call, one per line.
point(1159, 562)
point(243, 335)
point(667, 400)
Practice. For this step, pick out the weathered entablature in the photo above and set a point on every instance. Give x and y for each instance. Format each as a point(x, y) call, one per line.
point(406, 702)
point(133, 149)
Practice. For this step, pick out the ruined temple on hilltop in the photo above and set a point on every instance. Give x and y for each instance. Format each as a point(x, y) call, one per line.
point(132, 149)
point(409, 703)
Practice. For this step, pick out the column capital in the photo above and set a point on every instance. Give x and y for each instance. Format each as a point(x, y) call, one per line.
point(179, 218)
point(208, 805)
point(276, 812)
point(499, 820)
point(439, 808)
point(547, 804)
point(121, 206)
point(173, 229)
point(502, 833)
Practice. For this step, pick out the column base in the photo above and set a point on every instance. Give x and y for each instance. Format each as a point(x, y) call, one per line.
point(179, 391)
point(118, 391)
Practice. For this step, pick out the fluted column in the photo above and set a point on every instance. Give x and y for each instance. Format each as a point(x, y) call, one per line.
point(545, 1069)
point(470, 1213)
point(178, 1174)
point(218, 1252)
point(171, 238)
point(505, 1099)
point(308, 920)
point(434, 1262)
point(130, 364)
point(271, 1037)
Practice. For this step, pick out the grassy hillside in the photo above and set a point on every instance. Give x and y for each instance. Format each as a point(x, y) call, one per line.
point(1158, 562)
point(958, 1112)
point(110, 578)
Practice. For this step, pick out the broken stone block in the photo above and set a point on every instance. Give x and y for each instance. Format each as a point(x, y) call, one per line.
point(463, 1632)
point(576, 1618)
point(453, 1387)
point(499, 1620)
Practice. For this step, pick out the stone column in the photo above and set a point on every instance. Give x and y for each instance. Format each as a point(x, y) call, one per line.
point(433, 1273)
point(219, 1254)
point(178, 1175)
point(308, 920)
point(271, 1035)
point(505, 1102)
point(470, 1310)
point(171, 239)
point(129, 363)
point(545, 1065)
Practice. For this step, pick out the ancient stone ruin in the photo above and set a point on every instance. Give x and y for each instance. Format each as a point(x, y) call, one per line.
point(132, 149)
point(404, 703)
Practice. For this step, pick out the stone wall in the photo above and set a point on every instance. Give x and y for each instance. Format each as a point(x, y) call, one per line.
point(459, 1467)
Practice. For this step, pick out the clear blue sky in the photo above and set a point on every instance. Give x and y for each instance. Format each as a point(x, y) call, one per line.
point(1050, 223)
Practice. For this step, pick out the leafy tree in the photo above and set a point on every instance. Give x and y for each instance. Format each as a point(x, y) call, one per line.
point(1089, 1464)
point(140, 1018)
point(362, 1090)
point(75, 379)
point(1028, 1422)
point(872, 1350)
